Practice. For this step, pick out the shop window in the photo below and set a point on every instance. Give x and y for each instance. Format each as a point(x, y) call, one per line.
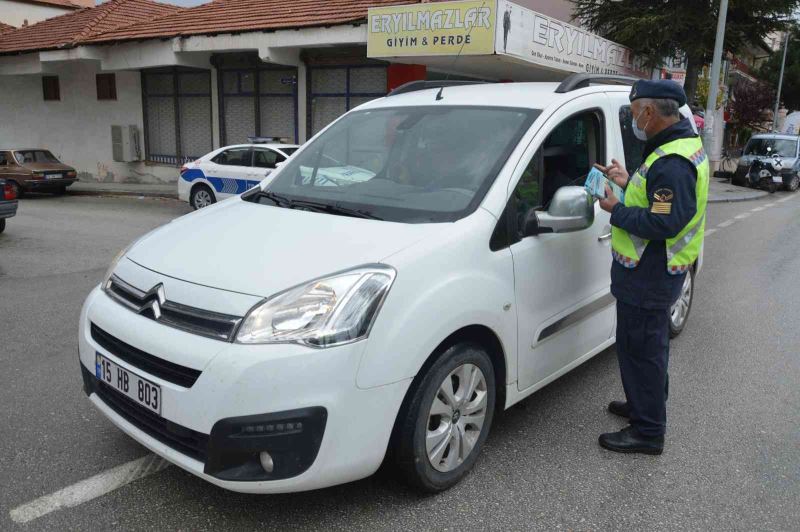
point(258, 101)
point(106, 86)
point(50, 88)
point(337, 89)
point(177, 111)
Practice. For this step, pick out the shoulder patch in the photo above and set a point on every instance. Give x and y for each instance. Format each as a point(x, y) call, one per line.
point(660, 207)
point(663, 195)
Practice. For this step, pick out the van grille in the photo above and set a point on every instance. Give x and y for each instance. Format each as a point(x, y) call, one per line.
point(163, 369)
point(184, 440)
point(190, 319)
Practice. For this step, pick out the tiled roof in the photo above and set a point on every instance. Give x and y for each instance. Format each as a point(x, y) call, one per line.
point(234, 16)
point(5, 27)
point(70, 29)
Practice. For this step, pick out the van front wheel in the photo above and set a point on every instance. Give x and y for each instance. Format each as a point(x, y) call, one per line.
point(443, 429)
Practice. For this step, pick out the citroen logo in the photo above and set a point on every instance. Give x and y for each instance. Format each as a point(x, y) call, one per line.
point(153, 300)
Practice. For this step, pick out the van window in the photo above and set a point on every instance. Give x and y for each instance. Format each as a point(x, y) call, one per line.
point(234, 157)
point(564, 159)
point(3, 159)
point(634, 148)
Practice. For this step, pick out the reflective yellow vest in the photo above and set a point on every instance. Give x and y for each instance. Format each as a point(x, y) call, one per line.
point(684, 248)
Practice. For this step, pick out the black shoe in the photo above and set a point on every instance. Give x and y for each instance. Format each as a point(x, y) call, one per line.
point(629, 441)
point(619, 408)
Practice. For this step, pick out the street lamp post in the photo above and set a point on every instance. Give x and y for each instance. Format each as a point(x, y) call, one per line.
point(780, 86)
point(713, 89)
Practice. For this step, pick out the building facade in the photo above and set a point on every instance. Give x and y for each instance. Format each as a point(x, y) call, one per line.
point(185, 82)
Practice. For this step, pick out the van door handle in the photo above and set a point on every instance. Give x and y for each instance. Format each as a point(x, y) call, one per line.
point(603, 238)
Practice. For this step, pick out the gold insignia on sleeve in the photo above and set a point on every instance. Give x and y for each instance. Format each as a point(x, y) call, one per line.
point(663, 195)
point(661, 207)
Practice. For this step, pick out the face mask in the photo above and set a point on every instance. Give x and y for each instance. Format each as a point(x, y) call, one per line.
point(639, 133)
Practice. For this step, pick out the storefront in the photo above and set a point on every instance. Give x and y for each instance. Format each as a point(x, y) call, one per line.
point(496, 40)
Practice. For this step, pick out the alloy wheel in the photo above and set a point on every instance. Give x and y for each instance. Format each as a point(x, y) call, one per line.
point(456, 417)
point(202, 198)
point(680, 310)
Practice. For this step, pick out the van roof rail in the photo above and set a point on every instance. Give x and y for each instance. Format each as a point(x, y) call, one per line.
point(582, 80)
point(420, 85)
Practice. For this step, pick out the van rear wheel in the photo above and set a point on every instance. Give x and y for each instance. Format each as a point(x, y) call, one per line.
point(443, 428)
point(679, 314)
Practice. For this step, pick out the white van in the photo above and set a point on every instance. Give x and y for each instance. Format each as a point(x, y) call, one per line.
point(426, 260)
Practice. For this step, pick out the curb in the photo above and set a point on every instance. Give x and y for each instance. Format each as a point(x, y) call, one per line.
point(128, 193)
point(720, 199)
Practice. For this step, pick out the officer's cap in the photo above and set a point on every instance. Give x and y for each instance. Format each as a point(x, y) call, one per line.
point(660, 88)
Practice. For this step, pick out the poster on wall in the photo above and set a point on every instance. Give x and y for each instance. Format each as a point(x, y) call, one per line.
point(552, 43)
point(440, 28)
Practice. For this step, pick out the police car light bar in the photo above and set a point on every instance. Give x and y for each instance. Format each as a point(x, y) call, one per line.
point(265, 140)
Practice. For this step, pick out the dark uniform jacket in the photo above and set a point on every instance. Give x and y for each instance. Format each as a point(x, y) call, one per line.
point(648, 285)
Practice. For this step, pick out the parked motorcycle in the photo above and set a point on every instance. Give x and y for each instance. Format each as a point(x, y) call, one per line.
point(765, 173)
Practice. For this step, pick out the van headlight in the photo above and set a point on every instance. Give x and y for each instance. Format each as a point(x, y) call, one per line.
point(115, 261)
point(322, 313)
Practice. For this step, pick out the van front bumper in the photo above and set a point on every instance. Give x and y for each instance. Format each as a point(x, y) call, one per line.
point(300, 405)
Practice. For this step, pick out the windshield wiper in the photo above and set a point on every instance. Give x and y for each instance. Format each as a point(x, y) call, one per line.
point(332, 209)
point(280, 201)
point(288, 203)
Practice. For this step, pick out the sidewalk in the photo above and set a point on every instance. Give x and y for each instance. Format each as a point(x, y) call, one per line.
point(93, 188)
point(720, 191)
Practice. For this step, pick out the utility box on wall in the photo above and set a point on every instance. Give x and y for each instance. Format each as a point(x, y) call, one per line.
point(125, 144)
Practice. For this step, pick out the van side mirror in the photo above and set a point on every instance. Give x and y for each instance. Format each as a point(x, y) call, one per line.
point(571, 209)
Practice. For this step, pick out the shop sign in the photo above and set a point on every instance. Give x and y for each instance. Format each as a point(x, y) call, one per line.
point(552, 43)
point(439, 28)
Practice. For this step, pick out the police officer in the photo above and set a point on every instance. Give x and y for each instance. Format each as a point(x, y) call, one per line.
point(657, 235)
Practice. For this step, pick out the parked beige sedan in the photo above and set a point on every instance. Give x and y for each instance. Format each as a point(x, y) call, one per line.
point(35, 170)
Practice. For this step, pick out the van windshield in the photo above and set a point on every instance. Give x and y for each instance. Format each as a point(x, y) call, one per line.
point(405, 164)
point(767, 146)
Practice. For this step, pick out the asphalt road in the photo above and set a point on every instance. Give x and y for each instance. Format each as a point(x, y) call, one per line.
point(732, 460)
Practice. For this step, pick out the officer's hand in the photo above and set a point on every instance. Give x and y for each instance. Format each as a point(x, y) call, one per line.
point(607, 204)
point(615, 172)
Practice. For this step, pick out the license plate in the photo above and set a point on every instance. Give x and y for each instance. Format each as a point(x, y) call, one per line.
point(54, 176)
point(777, 179)
point(128, 383)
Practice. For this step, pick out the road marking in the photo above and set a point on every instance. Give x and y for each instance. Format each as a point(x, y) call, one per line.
point(742, 216)
point(726, 223)
point(787, 198)
point(769, 205)
point(710, 232)
point(757, 209)
point(91, 488)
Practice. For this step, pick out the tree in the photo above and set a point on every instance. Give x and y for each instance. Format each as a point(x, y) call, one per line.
point(657, 29)
point(750, 104)
point(771, 69)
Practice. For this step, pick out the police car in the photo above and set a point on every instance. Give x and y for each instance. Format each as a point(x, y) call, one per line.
point(230, 170)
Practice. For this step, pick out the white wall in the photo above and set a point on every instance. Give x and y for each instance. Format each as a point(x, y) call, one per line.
point(77, 129)
point(16, 13)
